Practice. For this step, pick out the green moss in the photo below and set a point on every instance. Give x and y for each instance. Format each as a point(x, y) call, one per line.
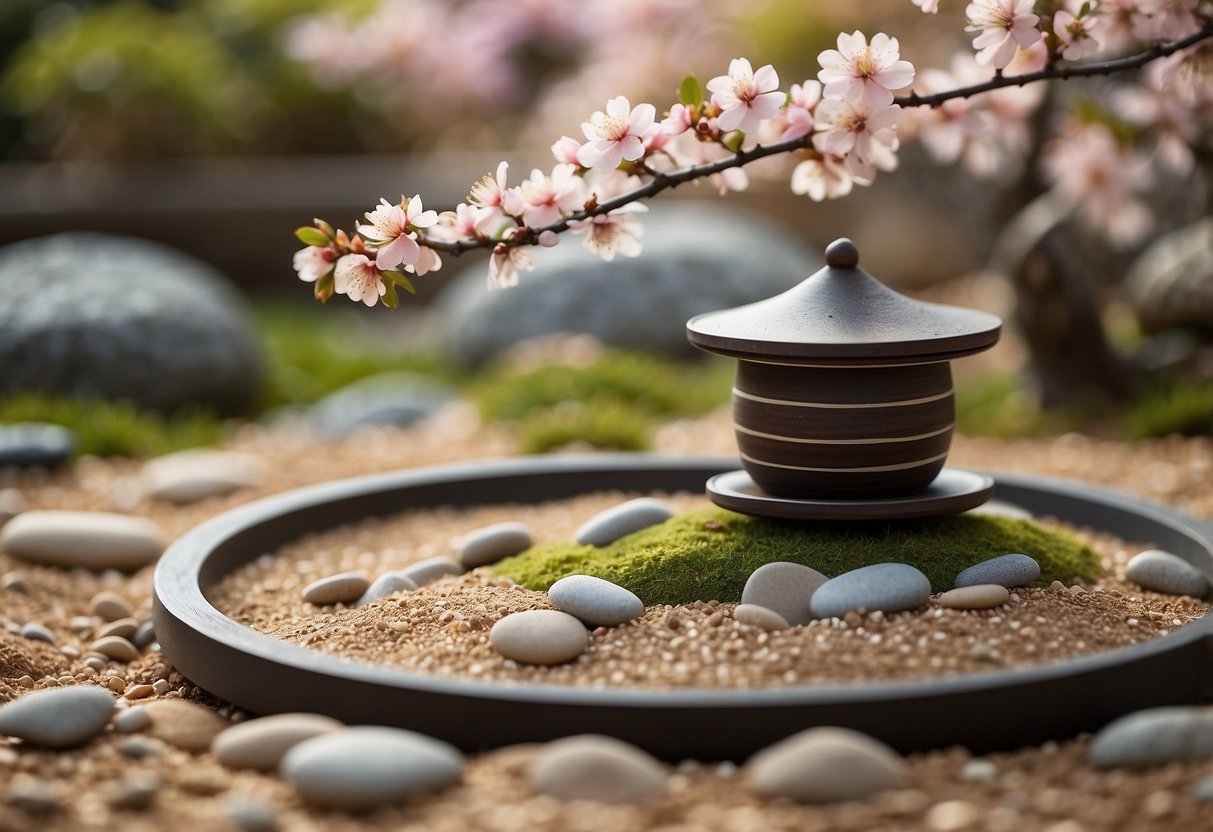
point(708, 554)
point(604, 423)
point(1179, 406)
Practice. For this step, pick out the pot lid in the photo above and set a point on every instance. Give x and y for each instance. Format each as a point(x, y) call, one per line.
point(843, 315)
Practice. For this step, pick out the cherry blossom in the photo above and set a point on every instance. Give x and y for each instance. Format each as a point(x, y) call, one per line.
point(616, 232)
point(487, 194)
point(746, 98)
point(460, 223)
point(392, 231)
point(1005, 25)
point(857, 69)
point(863, 133)
point(565, 149)
point(798, 115)
point(680, 120)
point(1117, 25)
point(358, 278)
point(1161, 20)
point(1173, 124)
point(548, 198)
point(1076, 34)
point(314, 262)
point(505, 264)
point(616, 134)
point(689, 149)
point(427, 261)
point(822, 178)
point(927, 6)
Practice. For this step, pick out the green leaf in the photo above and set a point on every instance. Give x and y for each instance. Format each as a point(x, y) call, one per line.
point(402, 280)
point(311, 236)
point(1085, 10)
point(690, 93)
point(733, 140)
point(390, 299)
point(323, 288)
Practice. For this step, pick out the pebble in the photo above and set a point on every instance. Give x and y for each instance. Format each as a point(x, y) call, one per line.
point(952, 816)
point(161, 687)
point(825, 765)
point(427, 571)
point(132, 719)
point(342, 588)
point(58, 717)
point(110, 606)
point(184, 724)
point(539, 637)
point(492, 543)
point(139, 692)
point(786, 588)
point(1164, 572)
point(595, 601)
point(358, 768)
point(35, 444)
point(888, 587)
point(979, 771)
point(91, 539)
point(976, 597)
point(607, 526)
point(37, 632)
point(1004, 570)
point(116, 648)
point(759, 616)
point(12, 503)
point(386, 584)
point(116, 683)
point(194, 475)
point(594, 767)
point(1154, 737)
point(123, 628)
point(140, 748)
point(261, 743)
point(14, 582)
point(1202, 789)
point(35, 795)
point(145, 634)
point(135, 792)
point(249, 814)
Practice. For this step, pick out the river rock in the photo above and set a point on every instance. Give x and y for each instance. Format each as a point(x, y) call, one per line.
point(342, 588)
point(37, 632)
point(58, 717)
point(1164, 572)
point(397, 399)
point(250, 814)
point(758, 616)
point(595, 601)
point(427, 571)
point(91, 539)
point(492, 543)
point(362, 767)
point(1170, 281)
point(888, 587)
point(594, 767)
point(193, 475)
point(132, 719)
point(976, 597)
point(123, 628)
point(786, 588)
point(386, 584)
point(607, 526)
point(35, 444)
point(110, 606)
point(184, 724)
point(539, 637)
point(261, 743)
point(134, 792)
point(1005, 570)
point(825, 765)
point(116, 648)
point(1154, 737)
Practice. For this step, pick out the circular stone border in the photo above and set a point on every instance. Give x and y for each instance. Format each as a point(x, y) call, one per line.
point(985, 712)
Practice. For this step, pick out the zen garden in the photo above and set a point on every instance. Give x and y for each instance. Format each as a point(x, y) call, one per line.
point(606, 415)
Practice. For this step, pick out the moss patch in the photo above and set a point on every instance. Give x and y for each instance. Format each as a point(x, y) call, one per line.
point(708, 554)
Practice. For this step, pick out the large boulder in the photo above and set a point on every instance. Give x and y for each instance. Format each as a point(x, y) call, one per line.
point(93, 315)
point(1171, 282)
point(697, 257)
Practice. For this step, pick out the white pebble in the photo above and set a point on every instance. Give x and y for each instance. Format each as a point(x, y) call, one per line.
point(607, 526)
point(492, 543)
point(341, 588)
point(431, 569)
point(825, 765)
point(598, 768)
point(539, 637)
point(91, 539)
point(261, 743)
point(58, 717)
point(1164, 572)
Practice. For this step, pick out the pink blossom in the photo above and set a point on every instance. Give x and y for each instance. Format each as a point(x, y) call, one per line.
point(1174, 125)
point(359, 278)
point(680, 120)
point(798, 115)
point(457, 224)
point(1163, 20)
point(548, 238)
point(824, 178)
point(314, 262)
point(427, 261)
point(746, 98)
point(505, 264)
point(391, 231)
point(688, 150)
point(487, 195)
point(1076, 34)
point(548, 198)
point(1188, 74)
point(617, 134)
point(857, 69)
point(1005, 26)
point(565, 149)
point(616, 232)
point(927, 6)
point(863, 133)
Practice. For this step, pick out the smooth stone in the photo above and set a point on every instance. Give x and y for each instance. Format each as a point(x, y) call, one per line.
point(110, 606)
point(35, 444)
point(607, 526)
point(888, 587)
point(35, 795)
point(249, 814)
point(595, 601)
point(123, 628)
point(759, 616)
point(393, 398)
point(1000, 508)
point(261, 743)
point(37, 632)
point(539, 637)
point(1202, 789)
point(12, 503)
point(1154, 737)
point(58, 717)
point(362, 767)
point(132, 720)
point(976, 597)
point(1005, 570)
point(386, 584)
point(14, 582)
point(1164, 572)
point(594, 767)
point(825, 765)
point(115, 647)
point(91, 539)
point(135, 792)
point(785, 588)
point(184, 724)
point(145, 634)
point(140, 748)
point(190, 476)
point(427, 571)
point(342, 588)
point(492, 543)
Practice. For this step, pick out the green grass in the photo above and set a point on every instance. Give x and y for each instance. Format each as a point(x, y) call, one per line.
point(708, 554)
point(1181, 406)
point(605, 424)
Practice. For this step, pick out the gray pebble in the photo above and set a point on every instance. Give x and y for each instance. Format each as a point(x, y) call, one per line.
point(358, 768)
point(141, 748)
point(198, 474)
point(1005, 570)
point(134, 793)
point(1202, 789)
point(116, 648)
point(261, 743)
point(123, 628)
point(386, 584)
point(431, 569)
point(58, 717)
point(35, 795)
point(145, 634)
point(786, 588)
point(595, 601)
point(1154, 737)
point(979, 771)
point(607, 526)
point(825, 765)
point(1164, 572)
point(249, 814)
point(37, 632)
point(888, 587)
point(761, 617)
point(594, 767)
point(539, 637)
point(110, 606)
point(35, 444)
point(91, 539)
point(132, 719)
point(976, 597)
point(341, 588)
point(492, 543)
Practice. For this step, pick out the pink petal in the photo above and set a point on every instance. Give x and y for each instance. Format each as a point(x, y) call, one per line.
point(740, 67)
point(403, 249)
point(848, 45)
point(611, 156)
point(730, 119)
point(618, 107)
point(720, 84)
point(900, 74)
point(768, 104)
point(641, 118)
point(425, 219)
point(832, 62)
point(590, 153)
point(631, 148)
point(766, 79)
